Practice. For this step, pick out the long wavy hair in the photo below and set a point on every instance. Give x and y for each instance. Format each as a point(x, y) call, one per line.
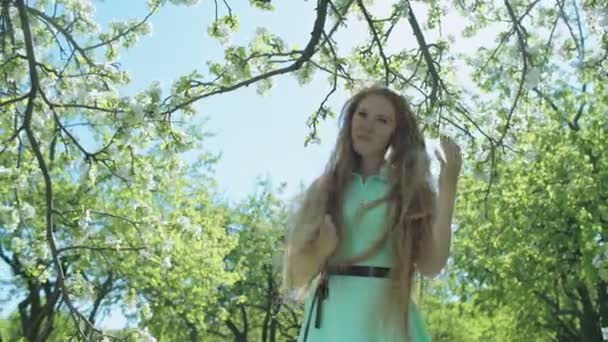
point(410, 200)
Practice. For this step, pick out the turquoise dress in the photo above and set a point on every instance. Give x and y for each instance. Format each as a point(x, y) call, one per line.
point(350, 311)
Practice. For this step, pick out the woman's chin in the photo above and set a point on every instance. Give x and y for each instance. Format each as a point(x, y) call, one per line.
point(366, 153)
point(361, 152)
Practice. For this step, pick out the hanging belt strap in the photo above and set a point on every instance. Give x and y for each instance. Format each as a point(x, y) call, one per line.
point(321, 293)
point(322, 290)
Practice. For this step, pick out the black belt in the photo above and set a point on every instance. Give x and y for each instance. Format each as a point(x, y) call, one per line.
point(322, 290)
point(361, 271)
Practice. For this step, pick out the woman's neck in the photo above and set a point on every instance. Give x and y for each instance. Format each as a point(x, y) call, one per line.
point(370, 166)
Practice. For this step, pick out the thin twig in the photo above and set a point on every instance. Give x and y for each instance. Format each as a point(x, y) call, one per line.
point(306, 55)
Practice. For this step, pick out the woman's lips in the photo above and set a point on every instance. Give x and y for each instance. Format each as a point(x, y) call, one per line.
point(363, 137)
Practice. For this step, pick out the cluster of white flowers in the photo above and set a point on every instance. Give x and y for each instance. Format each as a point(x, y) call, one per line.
point(600, 261)
point(18, 244)
point(9, 218)
point(136, 108)
point(145, 253)
point(532, 78)
point(602, 15)
point(3, 170)
point(534, 49)
point(81, 6)
point(225, 36)
point(149, 182)
point(145, 336)
point(85, 221)
point(167, 246)
point(113, 241)
point(166, 263)
point(146, 312)
point(184, 222)
point(27, 211)
point(404, 7)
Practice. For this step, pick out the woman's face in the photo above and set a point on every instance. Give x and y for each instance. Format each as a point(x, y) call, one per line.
point(372, 126)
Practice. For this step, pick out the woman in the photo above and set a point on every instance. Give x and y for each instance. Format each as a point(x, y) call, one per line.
point(369, 223)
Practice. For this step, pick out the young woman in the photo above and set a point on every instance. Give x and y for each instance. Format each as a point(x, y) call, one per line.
point(369, 223)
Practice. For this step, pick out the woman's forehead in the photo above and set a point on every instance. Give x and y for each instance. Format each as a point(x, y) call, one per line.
point(377, 104)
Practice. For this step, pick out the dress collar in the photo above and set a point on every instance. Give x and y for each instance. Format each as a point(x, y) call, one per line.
point(382, 174)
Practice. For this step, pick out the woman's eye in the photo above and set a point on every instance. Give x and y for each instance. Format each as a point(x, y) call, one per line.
point(383, 120)
point(363, 114)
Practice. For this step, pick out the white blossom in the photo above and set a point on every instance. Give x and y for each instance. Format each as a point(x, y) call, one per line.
point(85, 222)
point(27, 211)
point(167, 246)
point(603, 16)
point(18, 244)
point(23, 181)
point(404, 6)
point(166, 263)
point(145, 253)
point(137, 108)
point(9, 217)
point(155, 89)
point(84, 6)
point(149, 182)
point(225, 35)
point(532, 78)
point(145, 336)
point(146, 311)
point(81, 95)
point(535, 49)
point(197, 230)
point(3, 170)
point(184, 222)
point(42, 251)
point(92, 174)
point(261, 31)
point(601, 258)
point(113, 241)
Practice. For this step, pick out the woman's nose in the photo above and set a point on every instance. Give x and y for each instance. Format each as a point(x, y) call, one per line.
point(366, 125)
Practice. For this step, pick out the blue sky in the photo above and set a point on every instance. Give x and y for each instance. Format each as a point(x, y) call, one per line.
point(257, 135)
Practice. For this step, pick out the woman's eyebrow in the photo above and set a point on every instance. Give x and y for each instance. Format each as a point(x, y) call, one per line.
point(384, 116)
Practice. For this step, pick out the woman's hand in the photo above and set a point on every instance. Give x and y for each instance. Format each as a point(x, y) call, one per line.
point(320, 238)
point(451, 165)
point(328, 237)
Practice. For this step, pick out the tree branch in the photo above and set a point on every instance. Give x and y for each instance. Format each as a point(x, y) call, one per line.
point(127, 31)
point(14, 100)
point(45, 18)
point(308, 52)
point(98, 248)
point(376, 39)
point(49, 197)
point(436, 80)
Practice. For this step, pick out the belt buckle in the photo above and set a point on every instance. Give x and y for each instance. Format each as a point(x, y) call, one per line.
point(371, 272)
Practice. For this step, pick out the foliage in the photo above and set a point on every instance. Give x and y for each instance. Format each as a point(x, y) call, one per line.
point(97, 207)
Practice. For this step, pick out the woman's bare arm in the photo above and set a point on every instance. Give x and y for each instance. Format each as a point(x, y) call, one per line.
point(311, 240)
point(305, 261)
point(436, 246)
